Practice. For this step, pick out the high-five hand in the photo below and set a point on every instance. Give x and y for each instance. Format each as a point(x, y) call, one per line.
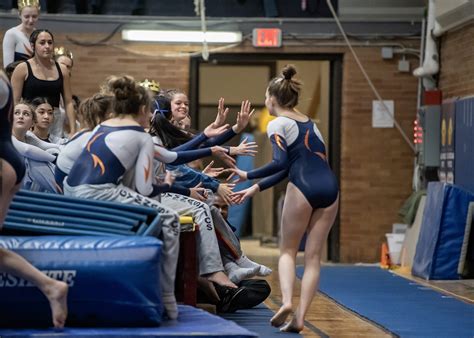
point(225, 192)
point(240, 196)
point(211, 171)
point(243, 116)
point(198, 193)
point(212, 131)
point(242, 175)
point(244, 148)
point(222, 112)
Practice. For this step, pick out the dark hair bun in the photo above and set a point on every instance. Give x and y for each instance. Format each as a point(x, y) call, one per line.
point(288, 72)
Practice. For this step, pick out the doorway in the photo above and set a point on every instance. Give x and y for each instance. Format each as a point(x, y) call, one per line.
point(245, 76)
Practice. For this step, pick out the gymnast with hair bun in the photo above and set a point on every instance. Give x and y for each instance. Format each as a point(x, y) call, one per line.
point(116, 164)
point(312, 196)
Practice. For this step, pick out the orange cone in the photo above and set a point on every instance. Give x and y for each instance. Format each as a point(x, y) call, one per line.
point(385, 257)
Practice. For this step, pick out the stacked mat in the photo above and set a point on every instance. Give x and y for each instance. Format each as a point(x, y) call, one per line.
point(35, 213)
point(113, 281)
point(444, 234)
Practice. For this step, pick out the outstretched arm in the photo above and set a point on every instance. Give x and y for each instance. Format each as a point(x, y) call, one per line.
point(272, 180)
point(279, 161)
point(198, 140)
point(240, 196)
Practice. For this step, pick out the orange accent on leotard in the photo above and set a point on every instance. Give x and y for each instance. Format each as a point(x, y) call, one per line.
point(279, 143)
point(98, 161)
point(147, 170)
point(92, 141)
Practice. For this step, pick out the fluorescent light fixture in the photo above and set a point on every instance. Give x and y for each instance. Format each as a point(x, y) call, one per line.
point(180, 36)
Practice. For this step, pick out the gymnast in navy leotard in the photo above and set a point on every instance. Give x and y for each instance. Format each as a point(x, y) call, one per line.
point(311, 200)
point(299, 147)
point(7, 150)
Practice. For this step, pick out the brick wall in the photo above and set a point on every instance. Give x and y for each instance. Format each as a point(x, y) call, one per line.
point(93, 64)
point(376, 164)
point(457, 62)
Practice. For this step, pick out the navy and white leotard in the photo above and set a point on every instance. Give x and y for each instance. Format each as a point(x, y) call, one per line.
point(7, 150)
point(112, 152)
point(299, 151)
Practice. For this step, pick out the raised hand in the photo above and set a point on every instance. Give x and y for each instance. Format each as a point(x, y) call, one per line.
point(242, 175)
point(198, 193)
point(212, 131)
point(222, 112)
point(229, 161)
point(211, 171)
point(225, 192)
point(218, 150)
point(243, 116)
point(244, 148)
point(239, 197)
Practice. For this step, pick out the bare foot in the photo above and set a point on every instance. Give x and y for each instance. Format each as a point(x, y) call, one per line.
point(292, 327)
point(221, 278)
point(279, 318)
point(57, 296)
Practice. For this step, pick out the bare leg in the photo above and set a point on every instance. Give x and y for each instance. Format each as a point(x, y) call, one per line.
point(9, 188)
point(295, 219)
point(320, 224)
point(54, 290)
point(11, 263)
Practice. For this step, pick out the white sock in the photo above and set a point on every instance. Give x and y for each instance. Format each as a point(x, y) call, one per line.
point(264, 271)
point(237, 273)
point(171, 308)
point(245, 262)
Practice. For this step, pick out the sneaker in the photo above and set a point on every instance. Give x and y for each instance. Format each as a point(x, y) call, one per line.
point(232, 299)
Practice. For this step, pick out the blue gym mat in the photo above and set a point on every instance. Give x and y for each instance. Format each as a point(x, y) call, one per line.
point(257, 320)
point(403, 307)
point(191, 322)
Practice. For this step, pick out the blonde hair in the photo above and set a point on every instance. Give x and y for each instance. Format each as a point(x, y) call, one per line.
point(28, 3)
point(63, 51)
point(30, 107)
point(95, 109)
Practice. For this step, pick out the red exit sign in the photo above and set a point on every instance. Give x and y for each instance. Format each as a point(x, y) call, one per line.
point(266, 37)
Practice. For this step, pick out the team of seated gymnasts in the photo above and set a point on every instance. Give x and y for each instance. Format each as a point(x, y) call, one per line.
point(134, 146)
